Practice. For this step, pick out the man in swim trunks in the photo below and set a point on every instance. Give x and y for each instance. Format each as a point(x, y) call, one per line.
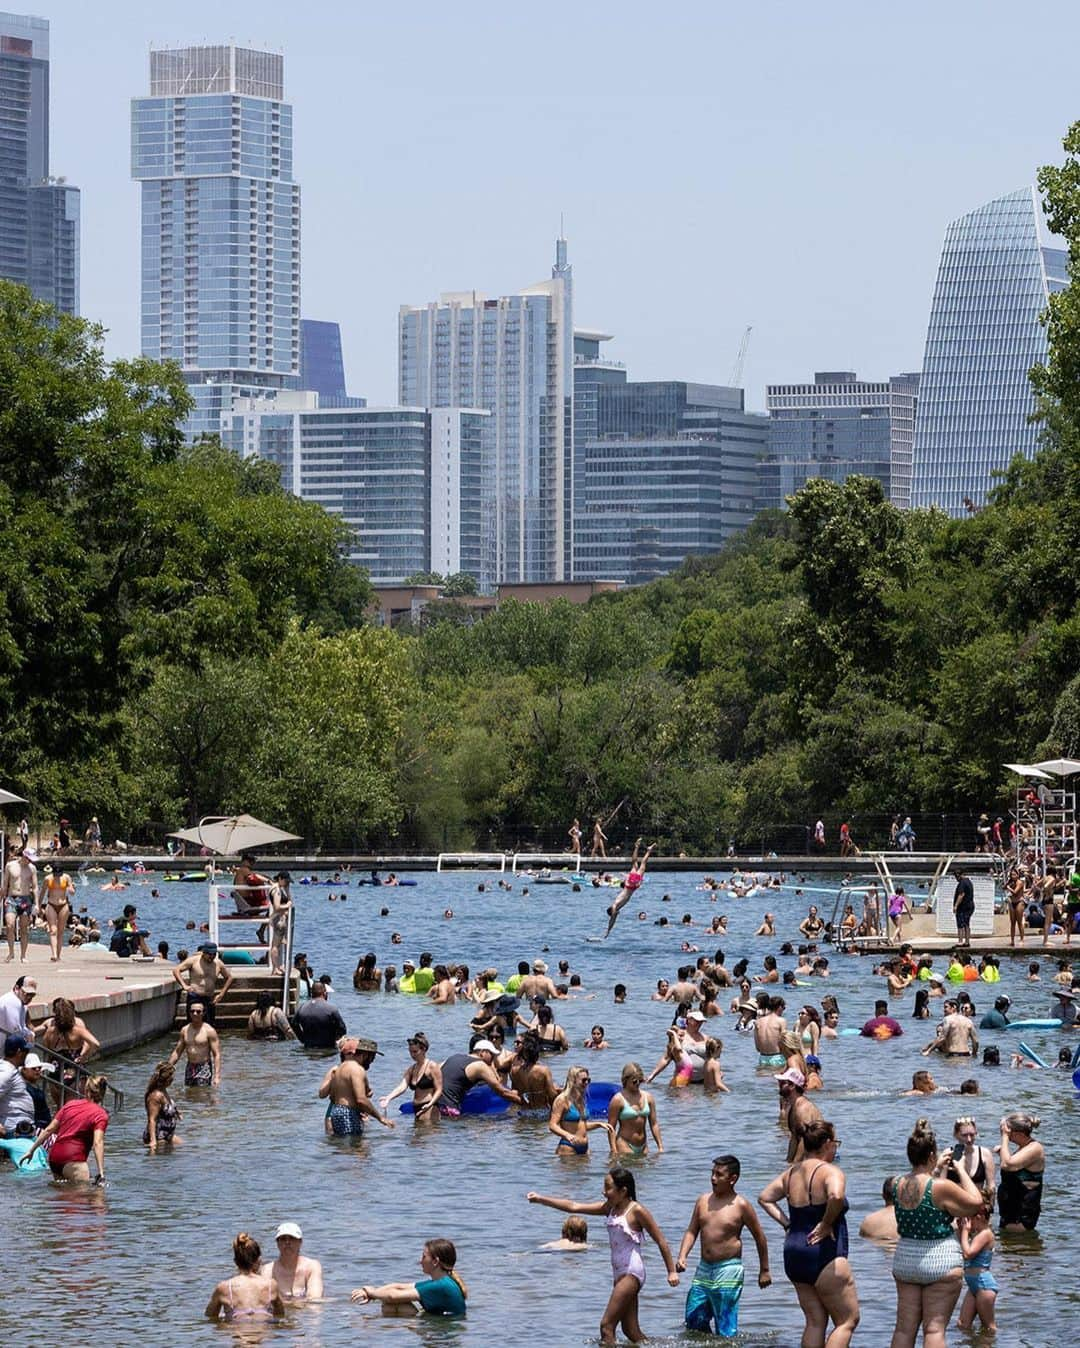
point(203, 1048)
point(346, 1087)
point(956, 1035)
point(798, 1111)
point(768, 1028)
point(19, 891)
point(537, 984)
point(204, 970)
point(719, 1218)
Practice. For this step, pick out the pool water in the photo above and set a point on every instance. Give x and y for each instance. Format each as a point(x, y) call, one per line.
point(136, 1262)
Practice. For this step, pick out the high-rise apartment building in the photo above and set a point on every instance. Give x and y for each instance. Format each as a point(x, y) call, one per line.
point(512, 356)
point(661, 470)
point(39, 215)
point(984, 335)
point(212, 148)
point(836, 426)
point(410, 481)
point(322, 367)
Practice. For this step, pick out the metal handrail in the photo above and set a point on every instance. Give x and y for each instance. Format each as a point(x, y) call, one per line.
point(82, 1073)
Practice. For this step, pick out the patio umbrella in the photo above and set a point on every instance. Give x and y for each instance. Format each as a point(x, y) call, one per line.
point(9, 798)
point(233, 834)
point(1060, 767)
point(1026, 770)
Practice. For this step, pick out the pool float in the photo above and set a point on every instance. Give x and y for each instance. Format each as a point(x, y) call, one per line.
point(236, 957)
point(1030, 1053)
point(1034, 1025)
point(483, 1100)
point(193, 875)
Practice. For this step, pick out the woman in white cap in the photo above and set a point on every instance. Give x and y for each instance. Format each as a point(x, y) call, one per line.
point(296, 1277)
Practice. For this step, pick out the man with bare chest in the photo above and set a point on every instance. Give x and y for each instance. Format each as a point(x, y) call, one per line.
point(204, 970)
point(719, 1218)
point(202, 1046)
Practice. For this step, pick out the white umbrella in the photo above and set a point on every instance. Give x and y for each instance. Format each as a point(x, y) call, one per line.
point(9, 798)
point(1026, 770)
point(1060, 767)
point(233, 834)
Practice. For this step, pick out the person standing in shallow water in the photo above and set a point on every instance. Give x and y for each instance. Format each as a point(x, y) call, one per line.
point(628, 1222)
point(251, 1297)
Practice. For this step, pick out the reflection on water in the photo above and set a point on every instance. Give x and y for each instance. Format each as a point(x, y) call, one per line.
point(136, 1262)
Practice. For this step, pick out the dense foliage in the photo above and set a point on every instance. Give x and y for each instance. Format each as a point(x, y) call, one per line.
point(180, 637)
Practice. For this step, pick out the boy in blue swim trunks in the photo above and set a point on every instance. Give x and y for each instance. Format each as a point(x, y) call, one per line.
point(719, 1218)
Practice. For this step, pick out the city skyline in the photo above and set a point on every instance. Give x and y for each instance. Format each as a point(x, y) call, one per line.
point(789, 237)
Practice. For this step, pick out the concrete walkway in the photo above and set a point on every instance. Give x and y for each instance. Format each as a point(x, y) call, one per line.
point(123, 1001)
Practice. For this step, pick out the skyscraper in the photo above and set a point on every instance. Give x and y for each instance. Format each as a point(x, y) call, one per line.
point(322, 367)
point(512, 356)
point(212, 147)
point(836, 426)
point(409, 480)
point(39, 215)
point(983, 337)
point(661, 470)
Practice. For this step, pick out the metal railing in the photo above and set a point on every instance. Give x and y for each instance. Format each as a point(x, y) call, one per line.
point(69, 1080)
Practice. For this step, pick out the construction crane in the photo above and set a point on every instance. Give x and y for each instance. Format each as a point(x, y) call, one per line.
point(740, 360)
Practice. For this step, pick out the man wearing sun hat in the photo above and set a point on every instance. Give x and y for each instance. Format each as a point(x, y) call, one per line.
point(298, 1278)
point(1063, 1007)
point(346, 1087)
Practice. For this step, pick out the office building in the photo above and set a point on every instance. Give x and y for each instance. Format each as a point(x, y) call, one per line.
point(212, 149)
point(322, 366)
point(512, 356)
point(39, 215)
point(410, 481)
point(837, 426)
point(661, 470)
point(984, 335)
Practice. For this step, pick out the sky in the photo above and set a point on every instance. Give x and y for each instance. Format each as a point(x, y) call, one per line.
point(766, 163)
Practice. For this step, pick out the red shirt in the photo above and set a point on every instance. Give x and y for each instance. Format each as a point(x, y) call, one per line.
point(79, 1120)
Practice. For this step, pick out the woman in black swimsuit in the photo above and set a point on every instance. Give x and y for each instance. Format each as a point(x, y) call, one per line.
point(816, 1244)
point(977, 1161)
point(423, 1077)
point(162, 1114)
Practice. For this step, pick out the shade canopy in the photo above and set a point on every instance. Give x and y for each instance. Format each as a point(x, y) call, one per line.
point(9, 798)
point(234, 834)
point(1027, 770)
point(1060, 767)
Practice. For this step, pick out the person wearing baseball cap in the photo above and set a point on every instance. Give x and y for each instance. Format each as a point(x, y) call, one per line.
point(19, 891)
point(16, 1102)
point(346, 1087)
point(204, 970)
point(298, 1278)
point(462, 1071)
point(796, 1111)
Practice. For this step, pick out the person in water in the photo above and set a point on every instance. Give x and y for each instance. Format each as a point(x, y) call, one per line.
point(439, 1292)
point(632, 1114)
point(719, 1218)
point(627, 1222)
point(569, 1119)
point(816, 1243)
point(296, 1277)
point(252, 1296)
point(346, 1087)
point(631, 884)
point(574, 1238)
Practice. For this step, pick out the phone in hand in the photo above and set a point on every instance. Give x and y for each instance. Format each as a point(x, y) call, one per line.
point(957, 1151)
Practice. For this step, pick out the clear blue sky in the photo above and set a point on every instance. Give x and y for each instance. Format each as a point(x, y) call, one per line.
point(777, 163)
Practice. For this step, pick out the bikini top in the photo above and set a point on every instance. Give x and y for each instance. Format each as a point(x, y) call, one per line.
point(629, 1112)
point(572, 1114)
point(424, 1083)
point(925, 1221)
point(248, 1312)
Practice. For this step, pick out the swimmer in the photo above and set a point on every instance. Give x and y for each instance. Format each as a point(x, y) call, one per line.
point(252, 1296)
point(569, 1119)
point(719, 1218)
point(346, 1087)
point(630, 1111)
point(439, 1292)
point(627, 1222)
point(631, 884)
point(574, 1238)
point(596, 1038)
point(767, 927)
point(922, 1083)
point(296, 1277)
point(880, 1225)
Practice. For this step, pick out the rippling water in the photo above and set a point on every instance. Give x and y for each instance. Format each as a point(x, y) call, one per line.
point(137, 1261)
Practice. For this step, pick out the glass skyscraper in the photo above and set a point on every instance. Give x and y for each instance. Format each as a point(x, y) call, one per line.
point(661, 470)
point(836, 426)
point(212, 148)
point(984, 335)
point(409, 480)
point(39, 215)
point(322, 366)
point(514, 357)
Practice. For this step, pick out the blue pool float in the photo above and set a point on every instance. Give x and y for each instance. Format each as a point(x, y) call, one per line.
point(1034, 1025)
point(1031, 1054)
point(483, 1100)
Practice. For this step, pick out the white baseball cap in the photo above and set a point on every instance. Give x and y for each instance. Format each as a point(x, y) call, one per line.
point(289, 1229)
point(33, 1060)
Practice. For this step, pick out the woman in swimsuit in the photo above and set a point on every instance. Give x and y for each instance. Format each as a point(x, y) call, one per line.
point(928, 1265)
point(531, 1078)
point(634, 876)
point(816, 1244)
point(812, 926)
point(631, 1112)
point(1016, 896)
point(77, 1130)
point(422, 1076)
point(1019, 1193)
point(809, 1026)
point(58, 888)
point(366, 977)
point(439, 1292)
point(552, 1037)
point(66, 1033)
point(251, 1296)
point(569, 1119)
point(627, 1223)
point(977, 1161)
point(162, 1114)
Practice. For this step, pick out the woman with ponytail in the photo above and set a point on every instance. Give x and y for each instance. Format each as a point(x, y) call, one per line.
point(928, 1265)
point(439, 1292)
point(249, 1296)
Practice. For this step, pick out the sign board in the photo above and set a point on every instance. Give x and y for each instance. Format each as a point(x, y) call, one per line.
point(982, 922)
